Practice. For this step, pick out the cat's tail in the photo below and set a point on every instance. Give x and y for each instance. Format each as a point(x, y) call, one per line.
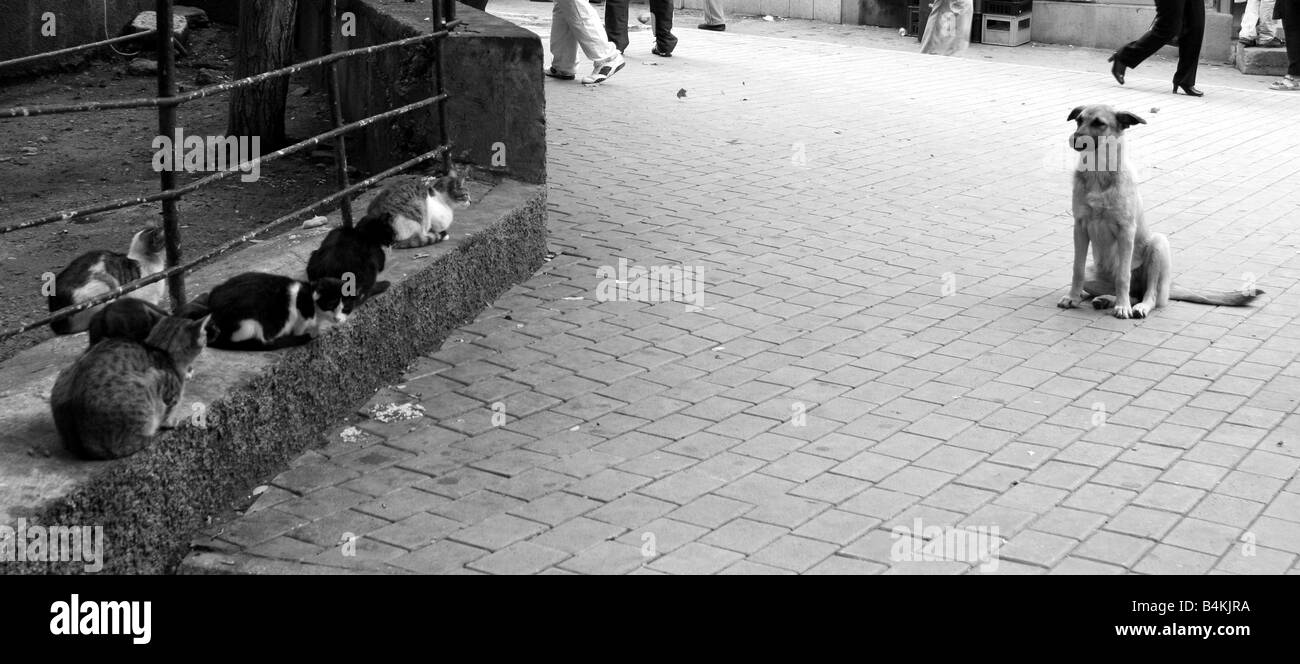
point(1221, 298)
point(377, 228)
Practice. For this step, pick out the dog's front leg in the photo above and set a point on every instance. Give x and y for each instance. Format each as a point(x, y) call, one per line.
point(1124, 273)
point(1076, 296)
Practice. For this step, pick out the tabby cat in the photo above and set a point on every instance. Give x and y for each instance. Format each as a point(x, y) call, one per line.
point(259, 311)
point(115, 397)
point(356, 255)
point(421, 207)
point(125, 318)
point(97, 272)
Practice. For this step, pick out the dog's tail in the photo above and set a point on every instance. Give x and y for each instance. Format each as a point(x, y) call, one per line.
point(1237, 298)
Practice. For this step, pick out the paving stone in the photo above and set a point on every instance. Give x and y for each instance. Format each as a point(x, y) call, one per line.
point(711, 511)
point(1036, 548)
point(519, 558)
point(696, 558)
point(607, 485)
point(747, 568)
point(1203, 536)
point(577, 535)
point(555, 508)
point(743, 535)
point(841, 565)
point(1114, 548)
point(497, 532)
point(416, 531)
point(631, 511)
point(441, 557)
point(1142, 522)
point(1165, 559)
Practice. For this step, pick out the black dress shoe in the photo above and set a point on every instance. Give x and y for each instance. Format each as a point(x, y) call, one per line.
point(719, 27)
point(1189, 90)
point(660, 53)
point(1116, 68)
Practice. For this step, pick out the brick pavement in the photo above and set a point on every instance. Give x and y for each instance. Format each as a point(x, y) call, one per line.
point(883, 238)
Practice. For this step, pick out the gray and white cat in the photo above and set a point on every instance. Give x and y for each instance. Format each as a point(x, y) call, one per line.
point(115, 397)
point(421, 207)
point(97, 272)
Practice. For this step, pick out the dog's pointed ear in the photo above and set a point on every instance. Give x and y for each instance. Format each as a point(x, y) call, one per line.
point(1127, 119)
point(1075, 113)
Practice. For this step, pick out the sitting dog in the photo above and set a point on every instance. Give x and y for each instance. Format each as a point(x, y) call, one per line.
point(1129, 263)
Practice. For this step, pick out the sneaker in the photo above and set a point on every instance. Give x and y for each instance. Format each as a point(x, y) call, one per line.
point(719, 27)
point(556, 73)
point(603, 71)
point(1271, 43)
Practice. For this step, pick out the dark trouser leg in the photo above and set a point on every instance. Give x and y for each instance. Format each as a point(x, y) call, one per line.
point(616, 22)
point(1293, 47)
point(1189, 42)
point(663, 13)
point(1169, 20)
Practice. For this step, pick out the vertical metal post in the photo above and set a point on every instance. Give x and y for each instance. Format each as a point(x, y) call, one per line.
point(167, 128)
point(440, 23)
point(332, 83)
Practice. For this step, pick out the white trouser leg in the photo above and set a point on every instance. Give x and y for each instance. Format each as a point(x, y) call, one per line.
point(586, 28)
point(564, 46)
point(1249, 19)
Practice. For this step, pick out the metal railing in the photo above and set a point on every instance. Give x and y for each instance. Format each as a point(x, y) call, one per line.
point(167, 101)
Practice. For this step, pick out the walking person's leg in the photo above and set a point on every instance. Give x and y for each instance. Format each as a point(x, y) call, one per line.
point(1264, 29)
point(590, 35)
point(1189, 45)
point(616, 23)
point(564, 46)
point(713, 16)
point(1250, 22)
point(1292, 29)
point(1169, 20)
point(665, 41)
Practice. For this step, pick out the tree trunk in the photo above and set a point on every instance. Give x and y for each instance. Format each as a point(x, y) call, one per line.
point(265, 42)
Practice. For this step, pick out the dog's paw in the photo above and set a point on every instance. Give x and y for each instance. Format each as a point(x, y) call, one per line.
point(1123, 311)
point(1103, 302)
point(1068, 302)
point(1141, 309)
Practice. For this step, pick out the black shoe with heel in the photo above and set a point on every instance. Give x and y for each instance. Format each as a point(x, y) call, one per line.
point(1116, 68)
point(1189, 90)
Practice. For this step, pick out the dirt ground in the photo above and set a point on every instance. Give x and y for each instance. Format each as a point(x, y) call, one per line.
point(56, 162)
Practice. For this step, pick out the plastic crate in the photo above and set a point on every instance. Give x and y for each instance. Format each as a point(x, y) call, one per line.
point(1002, 30)
point(1008, 7)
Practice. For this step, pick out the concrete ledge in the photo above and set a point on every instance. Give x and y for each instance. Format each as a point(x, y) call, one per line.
point(1109, 25)
point(1260, 61)
point(261, 408)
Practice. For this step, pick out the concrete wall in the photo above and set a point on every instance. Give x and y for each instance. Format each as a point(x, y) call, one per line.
point(492, 72)
point(75, 22)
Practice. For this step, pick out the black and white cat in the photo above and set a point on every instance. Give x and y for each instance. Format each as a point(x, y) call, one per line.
point(259, 311)
point(355, 255)
point(421, 207)
point(97, 272)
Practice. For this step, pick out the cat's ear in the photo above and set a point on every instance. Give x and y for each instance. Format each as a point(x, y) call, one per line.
point(203, 329)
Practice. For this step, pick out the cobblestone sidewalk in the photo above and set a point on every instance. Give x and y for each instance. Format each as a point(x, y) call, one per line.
point(882, 237)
